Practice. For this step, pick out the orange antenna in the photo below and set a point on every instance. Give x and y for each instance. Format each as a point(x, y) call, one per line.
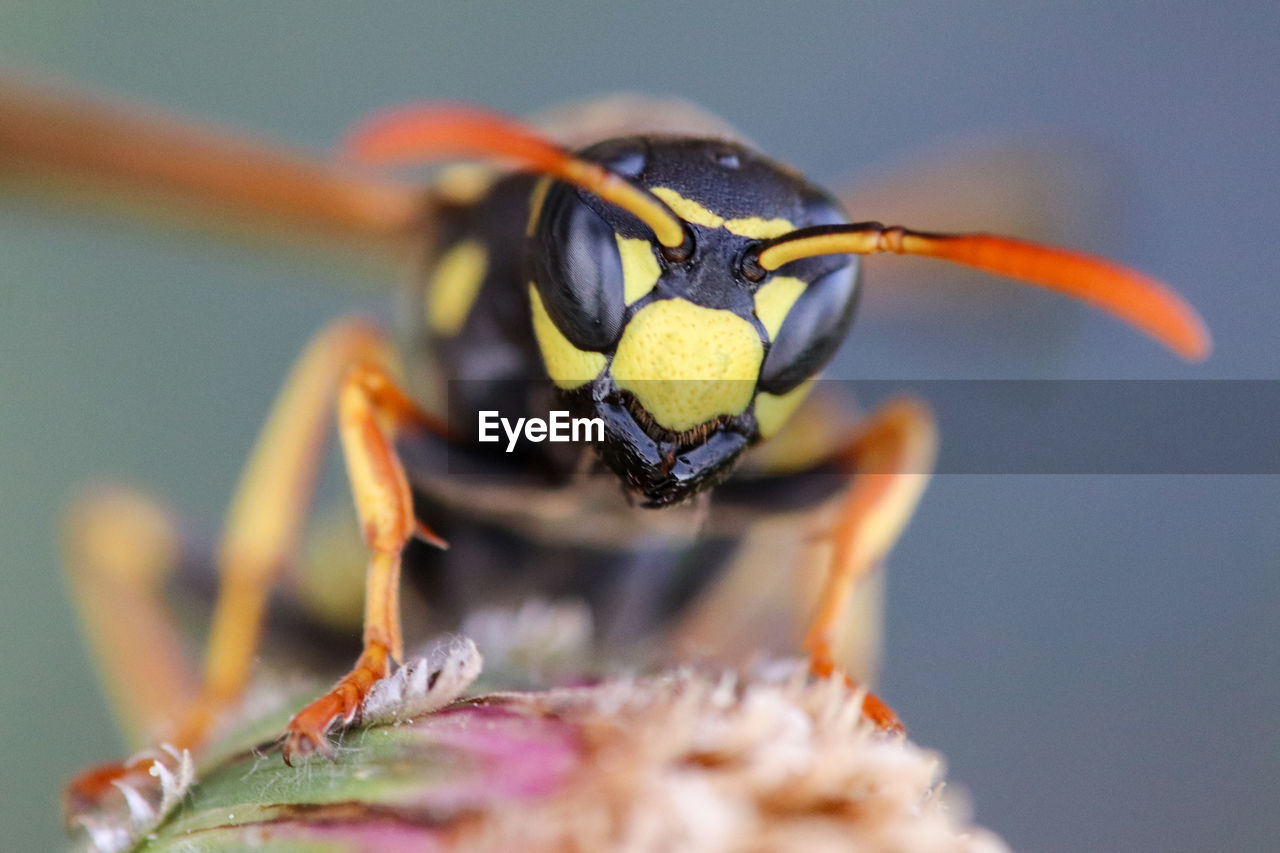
point(1139, 300)
point(431, 131)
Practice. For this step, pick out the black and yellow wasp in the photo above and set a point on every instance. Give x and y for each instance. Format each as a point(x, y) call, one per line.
point(634, 262)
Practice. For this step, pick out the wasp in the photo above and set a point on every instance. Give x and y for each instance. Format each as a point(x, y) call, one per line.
point(635, 264)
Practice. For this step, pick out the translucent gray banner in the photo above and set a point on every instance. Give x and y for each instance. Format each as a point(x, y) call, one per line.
point(1098, 426)
point(1028, 426)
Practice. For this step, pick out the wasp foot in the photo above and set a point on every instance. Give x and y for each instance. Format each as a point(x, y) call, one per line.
point(116, 804)
point(308, 731)
point(873, 707)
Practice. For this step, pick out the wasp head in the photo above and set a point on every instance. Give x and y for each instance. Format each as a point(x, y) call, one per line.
point(687, 353)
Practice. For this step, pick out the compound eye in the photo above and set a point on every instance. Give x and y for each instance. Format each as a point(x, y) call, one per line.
point(577, 270)
point(812, 331)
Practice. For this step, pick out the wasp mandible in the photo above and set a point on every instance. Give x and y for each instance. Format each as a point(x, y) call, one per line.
point(637, 264)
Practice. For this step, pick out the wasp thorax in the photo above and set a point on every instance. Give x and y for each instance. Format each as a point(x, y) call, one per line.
point(687, 360)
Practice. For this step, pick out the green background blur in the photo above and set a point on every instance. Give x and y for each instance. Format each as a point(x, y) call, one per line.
point(1096, 656)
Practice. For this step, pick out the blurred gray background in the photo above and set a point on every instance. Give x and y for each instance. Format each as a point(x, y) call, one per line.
point(1096, 655)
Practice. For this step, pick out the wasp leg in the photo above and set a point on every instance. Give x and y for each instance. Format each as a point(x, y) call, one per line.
point(261, 534)
point(891, 457)
point(120, 549)
point(368, 400)
point(264, 523)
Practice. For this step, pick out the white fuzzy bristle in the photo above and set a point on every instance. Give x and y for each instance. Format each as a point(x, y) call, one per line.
point(122, 829)
point(423, 684)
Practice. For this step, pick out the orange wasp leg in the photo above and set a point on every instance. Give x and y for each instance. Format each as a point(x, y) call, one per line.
point(892, 458)
point(264, 525)
point(261, 534)
point(120, 549)
point(369, 399)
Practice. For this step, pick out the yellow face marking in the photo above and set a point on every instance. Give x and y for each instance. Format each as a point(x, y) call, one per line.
point(640, 270)
point(568, 366)
point(687, 364)
point(536, 199)
point(773, 410)
point(688, 209)
point(453, 286)
point(774, 301)
point(759, 229)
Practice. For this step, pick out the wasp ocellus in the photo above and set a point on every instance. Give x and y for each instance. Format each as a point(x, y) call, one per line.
point(633, 262)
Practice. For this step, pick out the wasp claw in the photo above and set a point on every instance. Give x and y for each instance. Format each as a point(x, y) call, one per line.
point(300, 744)
point(308, 730)
point(880, 714)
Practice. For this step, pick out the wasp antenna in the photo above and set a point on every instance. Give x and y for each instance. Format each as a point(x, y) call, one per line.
point(418, 132)
point(1139, 300)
